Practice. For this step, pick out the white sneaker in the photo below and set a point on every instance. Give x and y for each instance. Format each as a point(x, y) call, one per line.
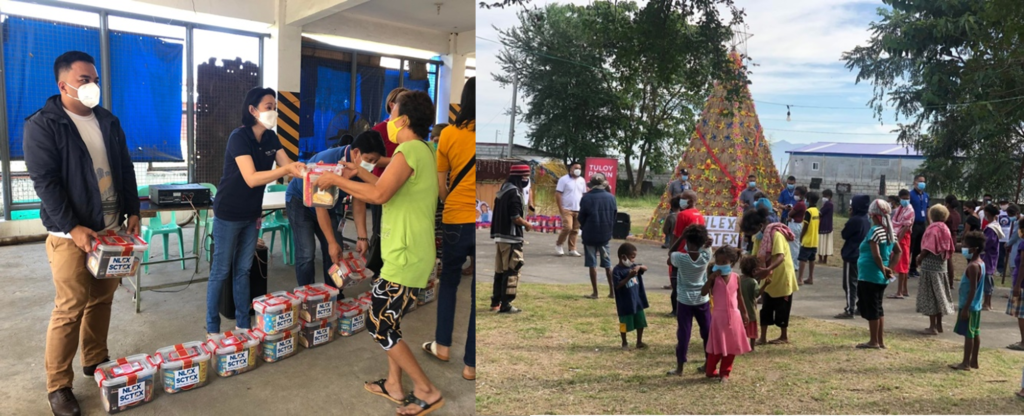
point(575, 253)
point(559, 250)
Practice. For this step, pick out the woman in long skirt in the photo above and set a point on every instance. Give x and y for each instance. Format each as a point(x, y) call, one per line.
point(934, 297)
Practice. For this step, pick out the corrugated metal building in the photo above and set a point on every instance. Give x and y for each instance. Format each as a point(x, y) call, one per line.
point(862, 165)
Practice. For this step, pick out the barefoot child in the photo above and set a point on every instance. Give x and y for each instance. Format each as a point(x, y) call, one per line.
point(691, 266)
point(972, 285)
point(748, 287)
point(728, 337)
point(630, 296)
point(877, 252)
point(809, 239)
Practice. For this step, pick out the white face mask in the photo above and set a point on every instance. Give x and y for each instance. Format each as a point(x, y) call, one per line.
point(798, 198)
point(627, 263)
point(576, 172)
point(268, 119)
point(824, 199)
point(88, 94)
point(367, 165)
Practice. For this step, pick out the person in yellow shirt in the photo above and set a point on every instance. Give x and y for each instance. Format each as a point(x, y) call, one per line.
point(809, 239)
point(456, 176)
point(778, 277)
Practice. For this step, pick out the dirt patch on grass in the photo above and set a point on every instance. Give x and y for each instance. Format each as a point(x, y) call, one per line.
point(562, 355)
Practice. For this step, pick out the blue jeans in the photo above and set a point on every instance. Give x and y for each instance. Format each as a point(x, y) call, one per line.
point(234, 243)
point(459, 242)
point(305, 233)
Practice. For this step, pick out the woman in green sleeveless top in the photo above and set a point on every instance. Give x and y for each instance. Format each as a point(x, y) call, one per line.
point(408, 192)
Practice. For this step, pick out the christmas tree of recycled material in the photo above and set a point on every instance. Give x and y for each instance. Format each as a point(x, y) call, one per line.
point(726, 146)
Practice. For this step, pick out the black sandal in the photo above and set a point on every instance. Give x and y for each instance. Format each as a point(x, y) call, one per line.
point(424, 407)
point(383, 391)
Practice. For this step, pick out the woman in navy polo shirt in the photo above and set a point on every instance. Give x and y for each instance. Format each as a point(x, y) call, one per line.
point(248, 166)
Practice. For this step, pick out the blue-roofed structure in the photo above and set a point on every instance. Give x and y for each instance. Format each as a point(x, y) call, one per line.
point(869, 150)
point(861, 165)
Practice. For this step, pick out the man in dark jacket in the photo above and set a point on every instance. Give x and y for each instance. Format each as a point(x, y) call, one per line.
point(597, 218)
point(854, 231)
point(507, 230)
point(79, 163)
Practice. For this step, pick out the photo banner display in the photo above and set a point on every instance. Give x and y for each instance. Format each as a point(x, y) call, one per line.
point(608, 166)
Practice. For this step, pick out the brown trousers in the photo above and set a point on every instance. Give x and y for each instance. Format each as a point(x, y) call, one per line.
point(81, 312)
point(570, 229)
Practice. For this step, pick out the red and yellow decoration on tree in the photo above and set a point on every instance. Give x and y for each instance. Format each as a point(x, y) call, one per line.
point(727, 145)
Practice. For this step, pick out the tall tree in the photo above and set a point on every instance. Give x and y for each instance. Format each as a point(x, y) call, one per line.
point(617, 77)
point(953, 69)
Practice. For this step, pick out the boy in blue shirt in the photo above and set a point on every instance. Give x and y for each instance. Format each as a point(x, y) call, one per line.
point(972, 285)
point(630, 296)
point(310, 225)
point(787, 198)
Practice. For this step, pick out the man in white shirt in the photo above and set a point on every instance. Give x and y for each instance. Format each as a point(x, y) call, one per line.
point(78, 159)
point(568, 193)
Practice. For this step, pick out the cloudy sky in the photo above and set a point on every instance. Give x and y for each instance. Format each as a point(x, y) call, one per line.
point(797, 43)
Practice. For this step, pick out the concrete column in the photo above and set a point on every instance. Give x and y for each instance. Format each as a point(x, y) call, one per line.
point(452, 78)
point(283, 53)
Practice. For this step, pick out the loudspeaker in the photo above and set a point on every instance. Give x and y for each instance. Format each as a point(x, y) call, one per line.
point(622, 225)
point(257, 282)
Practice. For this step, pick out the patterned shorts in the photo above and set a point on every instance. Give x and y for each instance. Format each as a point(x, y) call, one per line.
point(388, 306)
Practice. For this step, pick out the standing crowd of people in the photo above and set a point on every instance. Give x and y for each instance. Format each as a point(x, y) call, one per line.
point(885, 241)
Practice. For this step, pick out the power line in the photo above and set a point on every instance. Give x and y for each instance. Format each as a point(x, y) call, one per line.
point(831, 132)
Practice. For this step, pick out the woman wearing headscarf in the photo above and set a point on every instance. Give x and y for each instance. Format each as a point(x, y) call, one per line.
point(934, 294)
point(874, 273)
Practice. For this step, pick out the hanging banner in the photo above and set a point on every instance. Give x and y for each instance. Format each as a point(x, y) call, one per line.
point(607, 166)
point(723, 231)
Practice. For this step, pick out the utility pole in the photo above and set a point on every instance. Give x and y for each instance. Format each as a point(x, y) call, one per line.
point(512, 122)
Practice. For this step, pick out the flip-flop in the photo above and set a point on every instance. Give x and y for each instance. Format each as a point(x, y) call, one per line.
point(894, 297)
point(431, 349)
point(866, 346)
point(590, 296)
point(1019, 395)
point(383, 391)
point(426, 408)
point(778, 342)
point(957, 367)
point(1015, 346)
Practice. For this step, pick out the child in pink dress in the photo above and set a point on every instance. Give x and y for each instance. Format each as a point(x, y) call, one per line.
point(728, 336)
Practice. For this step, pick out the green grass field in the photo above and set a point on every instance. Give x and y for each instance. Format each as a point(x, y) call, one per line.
point(562, 356)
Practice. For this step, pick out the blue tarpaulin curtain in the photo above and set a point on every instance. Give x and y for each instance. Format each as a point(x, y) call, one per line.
point(146, 87)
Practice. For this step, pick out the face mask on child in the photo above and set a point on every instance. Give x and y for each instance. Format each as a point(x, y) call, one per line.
point(683, 203)
point(628, 263)
point(905, 202)
point(966, 252)
point(726, 269)
point(825, 199)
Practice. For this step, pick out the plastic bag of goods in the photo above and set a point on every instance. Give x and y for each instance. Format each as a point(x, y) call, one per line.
point(184, 366)
point(318, 332)
point(235, 352)
point(115, 255)
point(316, 301)
point(126, 382)
point(351, 318)
point(276, 312)
point(276, 347)
point(316, 197)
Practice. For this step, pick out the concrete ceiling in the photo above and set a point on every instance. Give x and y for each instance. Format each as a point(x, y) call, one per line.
point(455, 16)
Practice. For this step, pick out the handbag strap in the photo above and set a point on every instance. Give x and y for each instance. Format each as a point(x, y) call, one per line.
point(462, 173)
